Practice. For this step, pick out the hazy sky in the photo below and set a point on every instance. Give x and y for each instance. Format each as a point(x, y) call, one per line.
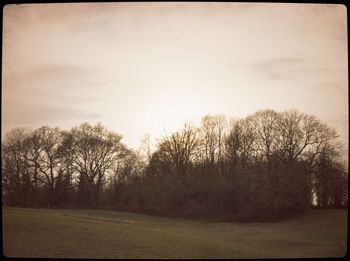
point(149, 67)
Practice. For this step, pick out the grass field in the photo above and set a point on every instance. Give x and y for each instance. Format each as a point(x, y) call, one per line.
point(108, 234)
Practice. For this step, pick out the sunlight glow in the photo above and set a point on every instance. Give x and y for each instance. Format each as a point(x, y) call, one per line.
point(138, 67)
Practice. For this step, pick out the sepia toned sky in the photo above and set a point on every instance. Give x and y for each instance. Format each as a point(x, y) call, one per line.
point(149, 67)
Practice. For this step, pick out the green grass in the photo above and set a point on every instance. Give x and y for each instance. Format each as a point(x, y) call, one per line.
point(109, 234)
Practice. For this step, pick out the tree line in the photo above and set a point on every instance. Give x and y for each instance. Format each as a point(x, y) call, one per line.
point(267, 166)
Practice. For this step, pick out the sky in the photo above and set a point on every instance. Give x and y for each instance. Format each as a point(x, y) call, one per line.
point(150, 67)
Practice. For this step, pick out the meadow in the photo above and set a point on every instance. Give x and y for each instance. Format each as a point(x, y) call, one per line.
point(57, 233)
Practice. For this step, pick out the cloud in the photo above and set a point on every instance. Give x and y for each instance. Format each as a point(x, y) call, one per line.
point(321, 86)
point(38, 114)
point(50, 93)
point(66, 61)
point(276, 62)
point(50, 72)
point(277, 68)
point(52, 83)
point(62, 70)
point(296, 69)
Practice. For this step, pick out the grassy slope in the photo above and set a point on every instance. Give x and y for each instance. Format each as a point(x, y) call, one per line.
point(107, 234)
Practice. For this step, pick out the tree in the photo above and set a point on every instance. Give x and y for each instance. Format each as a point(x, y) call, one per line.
point(239, 151)
point(240, 144)
point(302, 136)
point(66, 179)
point(123, 170)
point(330, 177)
point(16, 175)
point(96, 149)
point(179, 150)
point(45, 143)
point(265, 166)
point(145, 148)
point(212, 132)
point(316, 135)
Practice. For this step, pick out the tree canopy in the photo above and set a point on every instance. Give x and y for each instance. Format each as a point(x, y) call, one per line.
point(267, 166)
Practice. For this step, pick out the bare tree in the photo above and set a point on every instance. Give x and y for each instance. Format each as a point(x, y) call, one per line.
point(266, 130)
point(96, 149)
point(66, 152)
point(302, 136)
point(16, 175)
point(48, 160)
point(213, 139)
point(180, 150)
point(272, 163)
point(145, 148)
point(316, 135)
point(239, 143)
point(330, 177)
point(124, 169)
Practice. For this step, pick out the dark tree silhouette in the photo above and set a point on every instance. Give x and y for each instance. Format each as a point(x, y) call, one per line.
point(265, 167)
point(96, 149)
